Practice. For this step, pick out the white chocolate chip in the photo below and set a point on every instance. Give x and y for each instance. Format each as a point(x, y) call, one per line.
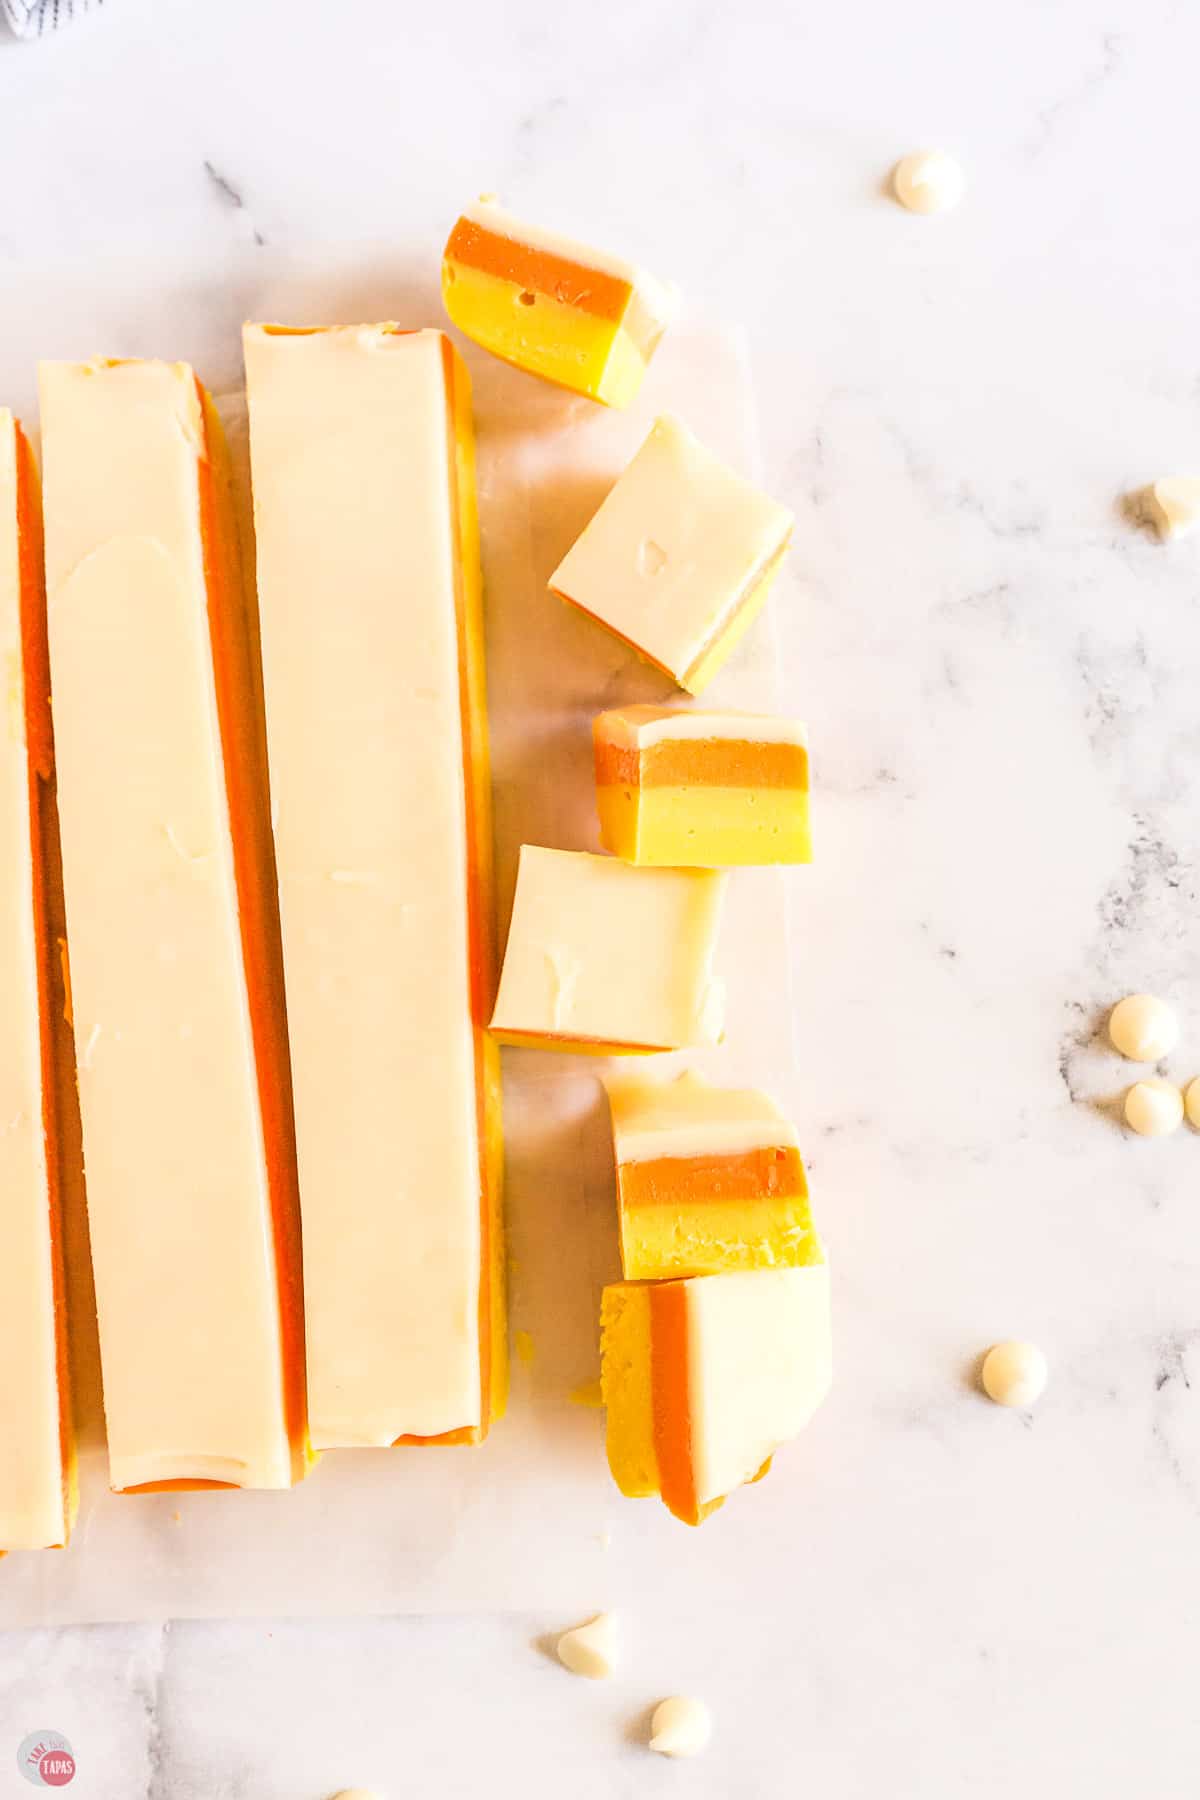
point(1143, 1028)
point(1191, 1102)
point(1174, 502)
point(591, 1649)
point(681, 1726)
point(1014, 1373)
point(928, 181)
point(1153, 1107)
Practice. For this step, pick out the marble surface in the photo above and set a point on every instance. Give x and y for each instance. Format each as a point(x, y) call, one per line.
point(999, 669)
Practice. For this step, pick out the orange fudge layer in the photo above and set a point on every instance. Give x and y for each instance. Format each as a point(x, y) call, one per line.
point(708, 1179)
point(574, 316)
point(362, 458)
point(176, 984)
point(38, 1496)
point(237, 671)
point(710, 762)
point(701, 789)
point(763, 1174)
point(703, 1379)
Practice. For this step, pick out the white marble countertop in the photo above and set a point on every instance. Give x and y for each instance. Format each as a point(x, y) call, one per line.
point(1000, 672)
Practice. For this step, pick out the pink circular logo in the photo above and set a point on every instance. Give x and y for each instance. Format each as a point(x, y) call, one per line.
point(46, 1759)
point(57, 1767)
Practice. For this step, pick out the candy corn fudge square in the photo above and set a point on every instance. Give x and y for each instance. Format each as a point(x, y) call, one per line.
point(705, 1378)
point(708, 1179)
point(690, 789)
point(679, 559)
point(606, 958)
point(578, 317)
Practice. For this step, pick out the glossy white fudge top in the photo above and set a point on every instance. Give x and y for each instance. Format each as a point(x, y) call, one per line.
point(603, 952)
point(690, 1117)
point(178, 1202)
point(641, 727)
point(660, 298)
point(760, 1363)
point(675, 547)
point(32, 1508)
point(351, 457)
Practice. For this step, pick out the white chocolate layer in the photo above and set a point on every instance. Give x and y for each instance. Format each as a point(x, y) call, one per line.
point(602, 952)
point(352, 455)
point(641, 727)
point(32, 1507)
point(690, 1117)
point(760, 1363)
point(674, 550)
point(178, 1201)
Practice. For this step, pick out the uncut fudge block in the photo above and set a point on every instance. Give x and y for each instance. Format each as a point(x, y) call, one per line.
point(37, 1462)
point(362, 460)
point(176, 986)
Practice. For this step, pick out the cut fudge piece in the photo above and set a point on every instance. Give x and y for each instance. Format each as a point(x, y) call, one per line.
point(708, 1179)
point(704, 1378)
point(362, 459)
point(679, 558)
point(176, 980)
point(576, 316)
point(37, 1459)
point(607, 958)
point(692, 789)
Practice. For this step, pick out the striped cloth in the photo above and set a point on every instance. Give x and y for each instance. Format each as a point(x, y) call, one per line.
point(31, 18)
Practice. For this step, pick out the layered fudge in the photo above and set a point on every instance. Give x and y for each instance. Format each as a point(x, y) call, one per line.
point(362, 458)
point(698, 789)
point(170, 899)
point(579, 317)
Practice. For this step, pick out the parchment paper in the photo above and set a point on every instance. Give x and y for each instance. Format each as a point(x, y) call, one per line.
point(531, 1520)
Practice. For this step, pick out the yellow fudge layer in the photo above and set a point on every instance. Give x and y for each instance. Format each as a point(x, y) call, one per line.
point(708, 1179)
point(608, 958)
point(627, 1388)
point(362, 458)
point(578, 317)
point(704, 1379)
point(680, 788)
point(37, 1470)
point(176, 983)
point(679, 558)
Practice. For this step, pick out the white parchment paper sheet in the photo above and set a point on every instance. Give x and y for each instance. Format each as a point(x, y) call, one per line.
point(531, 1519)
